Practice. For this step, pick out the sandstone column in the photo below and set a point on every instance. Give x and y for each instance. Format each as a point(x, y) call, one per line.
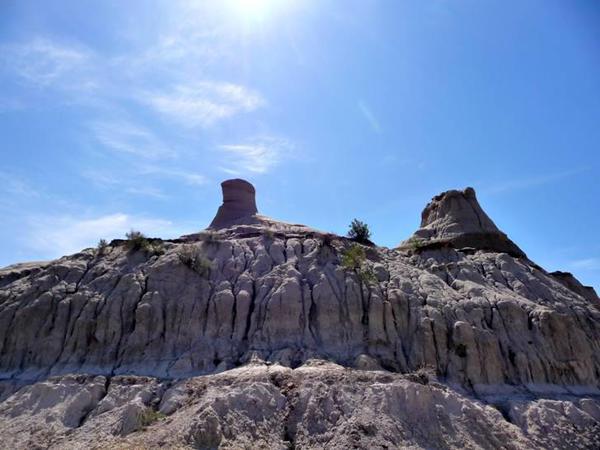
point(238, 203)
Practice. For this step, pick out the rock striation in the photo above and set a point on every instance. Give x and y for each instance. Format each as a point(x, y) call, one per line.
point(239, 204)
point(254, 334)
point(455, 218)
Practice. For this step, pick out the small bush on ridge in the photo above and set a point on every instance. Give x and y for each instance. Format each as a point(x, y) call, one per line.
point(136, 240)
point(359, 231)
point(190, 256)
point(102, 246)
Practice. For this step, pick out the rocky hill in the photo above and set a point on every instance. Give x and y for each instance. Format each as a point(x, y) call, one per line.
point(257, 333)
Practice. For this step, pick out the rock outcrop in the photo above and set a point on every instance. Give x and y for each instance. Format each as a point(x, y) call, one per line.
point(455, 218)
point(513, 349)
point(239, 204)
point(319, 405)
point(567, 279)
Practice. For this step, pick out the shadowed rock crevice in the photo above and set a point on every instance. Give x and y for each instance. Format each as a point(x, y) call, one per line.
point(486, 321)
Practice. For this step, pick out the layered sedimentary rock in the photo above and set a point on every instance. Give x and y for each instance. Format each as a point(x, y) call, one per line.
point(318, 405)
point(573, 284)
point(492, 327)
point(455, 218)
point(239, 204)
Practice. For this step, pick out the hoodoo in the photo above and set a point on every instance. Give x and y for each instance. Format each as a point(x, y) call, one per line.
point(239, 204)
point(455, 218)
point(258, 334)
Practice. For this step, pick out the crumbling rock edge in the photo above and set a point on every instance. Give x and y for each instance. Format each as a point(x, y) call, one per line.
point(317, 405)
point(457, 301)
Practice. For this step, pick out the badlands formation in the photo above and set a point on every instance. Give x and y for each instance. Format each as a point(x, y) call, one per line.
point(253, 334)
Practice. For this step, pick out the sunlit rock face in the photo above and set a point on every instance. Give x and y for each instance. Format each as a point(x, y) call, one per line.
point(239, 204)
point(455, 218)
point(264, 313)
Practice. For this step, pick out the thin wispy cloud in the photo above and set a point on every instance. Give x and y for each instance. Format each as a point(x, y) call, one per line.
point(55, 236)
point(369, 117)
point(259, 155)
point(16, 186)
point(182, 94)
point(127, 138)
point(143, 180)
point(529, 182)
point(186, 177)
point(148, 191)
point(45, 63)
point(203, 103)
point(181, 50)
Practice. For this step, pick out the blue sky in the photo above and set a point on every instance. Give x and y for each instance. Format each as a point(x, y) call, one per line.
point(118, 115)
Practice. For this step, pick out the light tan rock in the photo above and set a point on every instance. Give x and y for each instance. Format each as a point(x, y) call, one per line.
point(455, 218)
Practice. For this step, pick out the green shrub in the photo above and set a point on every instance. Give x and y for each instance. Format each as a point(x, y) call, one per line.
point(354, 259)
point(136, 241)
point(359, 232)
point(190, 257)
point(416, 243)
point(102, 246)
point(155, 248)
point(149, 416)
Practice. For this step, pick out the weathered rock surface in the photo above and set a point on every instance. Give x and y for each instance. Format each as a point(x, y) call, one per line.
point(239, 204)
point(573, 284)
point(318, 405)
point(492, 326)
point(455, 218)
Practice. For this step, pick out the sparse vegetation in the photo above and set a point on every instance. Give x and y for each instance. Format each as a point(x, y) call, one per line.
point(155, 248)
point(269, 234)
point(136, 240)
point(190, 256)
point(102, 246)
point(416, 243)
point(359, 232)
point(149, 416)
point(355, 259)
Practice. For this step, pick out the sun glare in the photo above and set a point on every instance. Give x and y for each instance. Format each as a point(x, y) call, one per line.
point(253, 10)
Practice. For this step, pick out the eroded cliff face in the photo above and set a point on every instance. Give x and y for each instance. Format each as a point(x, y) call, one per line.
point(318, 405)
point(486, 322)
point(477, 317)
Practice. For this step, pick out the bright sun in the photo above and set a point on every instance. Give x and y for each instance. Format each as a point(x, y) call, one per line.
point(253, 9)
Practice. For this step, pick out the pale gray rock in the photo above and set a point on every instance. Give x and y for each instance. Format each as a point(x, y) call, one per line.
point(317, 405)
point(573, 284)
point(488, 323)
point(455, 218)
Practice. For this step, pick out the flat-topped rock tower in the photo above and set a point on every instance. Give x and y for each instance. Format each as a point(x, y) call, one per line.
point(453, 340)
point(239, 203)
